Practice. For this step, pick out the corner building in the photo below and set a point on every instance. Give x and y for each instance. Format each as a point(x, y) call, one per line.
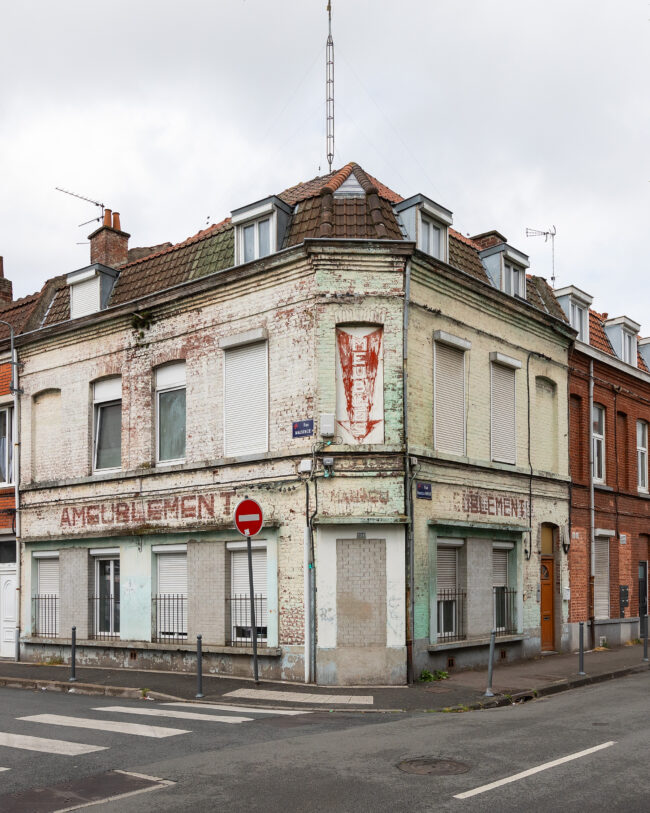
point(295, 353)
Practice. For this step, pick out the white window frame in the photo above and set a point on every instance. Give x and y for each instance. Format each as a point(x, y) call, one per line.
point(463, 345)
point(162, 551)
point(428, 226)
point(513, 364)
point(255, 218)
point(500, 547)
point(8, 451)
point(178, 382)
point(628, 348)
point(578, 316)
point(598, 441)
point(642, 455)
point(98, 404)
point(232, 345)
point(263, 628)
point(112, 558)
point(508, 279)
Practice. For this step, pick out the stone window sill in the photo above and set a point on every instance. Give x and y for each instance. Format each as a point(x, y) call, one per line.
point(468, 643)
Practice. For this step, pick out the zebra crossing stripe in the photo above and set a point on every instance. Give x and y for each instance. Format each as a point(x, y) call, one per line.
point(4, 769)
point(138, 730)
point(70, 749)
point(182, 715)
point(240, 709)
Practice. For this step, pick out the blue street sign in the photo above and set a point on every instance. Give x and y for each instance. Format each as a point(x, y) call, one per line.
point(423, 491)
point(303, 429)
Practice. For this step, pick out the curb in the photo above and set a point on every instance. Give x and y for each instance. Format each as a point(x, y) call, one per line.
point(66, 687)
point(550, 689)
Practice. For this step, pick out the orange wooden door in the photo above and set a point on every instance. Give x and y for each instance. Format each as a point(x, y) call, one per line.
point(546, 606)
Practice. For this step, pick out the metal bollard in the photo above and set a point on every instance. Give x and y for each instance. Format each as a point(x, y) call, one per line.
point(581, 651)
point(488, 691)
point(645, 639)
point(199, 666)
point(73, 656)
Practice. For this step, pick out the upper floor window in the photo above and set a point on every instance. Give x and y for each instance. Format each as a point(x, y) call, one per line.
point(503, 425)
point(513, 280)
point(598, 440)
point(245, 415)
point(431, 235)
point(629, 348)
point(642, 455)
point(107, 408)
point(427, 224)
point(170, 413)
point(6, 445)
point(259, 228)
point(257, 239)
point(449, 393)
point(578, 319)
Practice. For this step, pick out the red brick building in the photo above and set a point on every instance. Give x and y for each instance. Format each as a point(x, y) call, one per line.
point(609, 381)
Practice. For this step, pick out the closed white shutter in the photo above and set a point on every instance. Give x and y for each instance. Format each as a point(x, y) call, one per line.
point(84, 297)
point(449, 399)
point(503, 436)
point(172, 595)
point(499, 568)
point(48, 577)
point(172, 574)
point(601, 578)
point(245, 400)
point(446, 569)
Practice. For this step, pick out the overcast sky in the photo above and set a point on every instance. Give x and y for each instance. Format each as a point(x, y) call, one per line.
point(509, 113)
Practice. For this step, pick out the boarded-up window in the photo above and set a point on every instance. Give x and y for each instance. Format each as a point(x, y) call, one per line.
point(360, 384)
point(601, 578)
point(449, 399)
point(503, 428)
point(361, 592)
point(46, 436)
point(246, 400)
point(545, 420)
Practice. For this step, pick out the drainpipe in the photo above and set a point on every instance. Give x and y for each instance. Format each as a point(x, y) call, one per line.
point(592, 513)
point(15, 432)
point(408, 501)
point(307, 586)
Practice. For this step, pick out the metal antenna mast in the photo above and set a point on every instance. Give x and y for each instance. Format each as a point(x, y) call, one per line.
point(329, 88)
point(88, 200)
point(546, 234)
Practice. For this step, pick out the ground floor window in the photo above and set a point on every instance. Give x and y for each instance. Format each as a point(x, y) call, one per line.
point(241, 629)
point(105, 603)
point(46, 600)
point(502, 609)
point(170, 602)
point(601, 577)
point(450, 597)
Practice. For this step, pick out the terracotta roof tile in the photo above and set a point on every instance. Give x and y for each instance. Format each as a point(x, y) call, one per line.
point(465, 257)
point(17, 313)
point(597, 336)
point(308, 189)
point(59, 309)
point(540, 294)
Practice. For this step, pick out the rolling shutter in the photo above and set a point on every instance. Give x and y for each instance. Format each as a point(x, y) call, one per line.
point(446, 569)
point(601, 578)
point(240, 593)
point(499, 568)
point(84, 297)
point(245, 400)
point(449, 399)
point(172, 574)
point(503, 438)
point(48, 577)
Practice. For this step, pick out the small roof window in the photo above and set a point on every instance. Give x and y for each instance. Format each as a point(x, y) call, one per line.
point(426, 223)
point(576, 303)
point(259, 228)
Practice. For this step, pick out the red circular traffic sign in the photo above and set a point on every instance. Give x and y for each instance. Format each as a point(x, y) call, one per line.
point(248, 517)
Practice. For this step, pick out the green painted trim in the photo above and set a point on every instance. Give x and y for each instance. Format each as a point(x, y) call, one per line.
point(460, 529)
point(368, 520)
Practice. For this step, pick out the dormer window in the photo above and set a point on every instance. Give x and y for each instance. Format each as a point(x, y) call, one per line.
point(426, 223)
point(576, 303)
point(506, 267)
point(90, 289)
point(259, 229)
point(622, 334)
point(513, 280)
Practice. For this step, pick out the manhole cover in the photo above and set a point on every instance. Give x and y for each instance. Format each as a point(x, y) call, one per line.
point(432, 766)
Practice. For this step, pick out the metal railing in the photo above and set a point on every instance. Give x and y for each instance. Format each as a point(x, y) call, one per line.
point(104, 614)
point(238, 611)
point(451, 615)
point(505, 617)
point(170, 614)
point(45, 612)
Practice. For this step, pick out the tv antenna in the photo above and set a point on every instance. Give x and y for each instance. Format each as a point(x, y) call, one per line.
point(88, 200)
point(329, 88)
point(546, 234)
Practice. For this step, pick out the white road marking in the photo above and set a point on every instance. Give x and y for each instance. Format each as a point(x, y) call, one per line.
point(240, 709)
point(138, 730)
point(532, 771)
point(159, 783)
point(4, 769)
point(70, 749)
point(300, 697)
point(182, 715)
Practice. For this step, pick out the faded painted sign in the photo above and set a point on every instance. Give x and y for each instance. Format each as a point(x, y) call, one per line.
point(138, 512)
point(490, 503)
point(360, 384)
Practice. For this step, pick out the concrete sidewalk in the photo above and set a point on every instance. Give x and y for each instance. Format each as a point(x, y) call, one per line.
point(461, 691)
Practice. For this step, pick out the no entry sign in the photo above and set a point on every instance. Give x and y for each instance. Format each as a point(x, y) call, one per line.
point(248, 517)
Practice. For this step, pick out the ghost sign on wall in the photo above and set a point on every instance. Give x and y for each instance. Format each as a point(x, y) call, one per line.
point(360, 384)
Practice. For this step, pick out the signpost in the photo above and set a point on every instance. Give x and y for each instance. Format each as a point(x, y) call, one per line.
point(248, 521)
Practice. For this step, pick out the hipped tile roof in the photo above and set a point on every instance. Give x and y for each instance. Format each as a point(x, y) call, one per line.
point(599, 339)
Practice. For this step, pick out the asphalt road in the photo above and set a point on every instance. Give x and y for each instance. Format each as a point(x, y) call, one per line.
point(331, 761)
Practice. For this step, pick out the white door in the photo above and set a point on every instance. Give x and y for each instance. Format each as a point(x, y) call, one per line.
point(7, 614)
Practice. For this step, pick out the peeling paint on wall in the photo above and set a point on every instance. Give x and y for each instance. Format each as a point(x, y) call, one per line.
point(360, 384)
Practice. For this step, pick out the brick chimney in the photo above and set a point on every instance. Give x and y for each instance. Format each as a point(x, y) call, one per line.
point(109, 245)
point(6, 287)
point(487, 239)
